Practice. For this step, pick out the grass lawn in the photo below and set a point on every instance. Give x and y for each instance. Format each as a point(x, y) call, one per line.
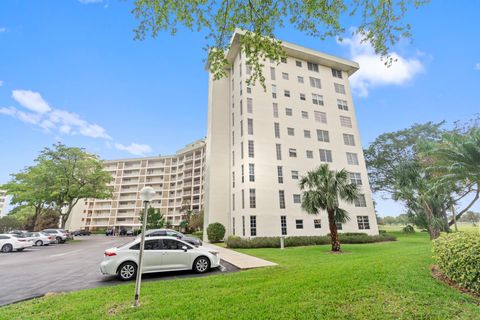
point(371, 281)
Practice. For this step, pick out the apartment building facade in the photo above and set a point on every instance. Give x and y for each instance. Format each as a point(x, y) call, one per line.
point(3, 203)
point(260, 143)
point(177, 179)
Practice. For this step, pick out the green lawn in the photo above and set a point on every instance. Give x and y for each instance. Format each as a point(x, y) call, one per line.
point(462, 226)
point(371, 281)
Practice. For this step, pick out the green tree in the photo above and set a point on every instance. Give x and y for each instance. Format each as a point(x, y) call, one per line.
point(77, 174)
point(456, 159)
point(8, 223)
point(380, 23)
point(26, 215)
point(48, 219)
point(471, 216)
point(196, 221)
point(155, 219)
point(323, 189)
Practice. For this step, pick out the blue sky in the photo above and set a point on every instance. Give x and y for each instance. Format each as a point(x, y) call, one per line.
point(71, 71)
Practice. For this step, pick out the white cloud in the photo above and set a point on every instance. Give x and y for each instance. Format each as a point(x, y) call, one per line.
point(27, 117)
point(31, 100)
point(373, 71)
point(135, 148)
point(3, 29)
point(477, 66)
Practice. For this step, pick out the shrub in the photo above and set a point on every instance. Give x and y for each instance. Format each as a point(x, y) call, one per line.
point(408, 229)
point(215, 232)
point(274, 242)
point(458, 257)
point(198, 234)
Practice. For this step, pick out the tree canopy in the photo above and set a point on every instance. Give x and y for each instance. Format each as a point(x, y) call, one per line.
point(378, 22)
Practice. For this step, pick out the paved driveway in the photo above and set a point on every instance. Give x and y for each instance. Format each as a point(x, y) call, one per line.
point(66, 267)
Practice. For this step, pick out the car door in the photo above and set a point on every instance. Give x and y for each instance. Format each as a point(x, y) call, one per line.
point(174, 257)
point(152, 255)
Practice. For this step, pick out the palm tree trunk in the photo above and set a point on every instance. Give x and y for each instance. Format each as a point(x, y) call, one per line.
point(333, 231)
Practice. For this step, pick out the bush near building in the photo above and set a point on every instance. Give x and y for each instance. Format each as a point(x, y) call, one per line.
point(458, 257)
point(215, 232)
point(274, 242)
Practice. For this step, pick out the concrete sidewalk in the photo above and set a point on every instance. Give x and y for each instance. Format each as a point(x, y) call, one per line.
point(240, 260)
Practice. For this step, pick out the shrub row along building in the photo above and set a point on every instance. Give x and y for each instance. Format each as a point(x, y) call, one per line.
point(259, 144)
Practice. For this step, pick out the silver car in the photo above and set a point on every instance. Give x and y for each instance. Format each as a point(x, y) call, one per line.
point(40, 238)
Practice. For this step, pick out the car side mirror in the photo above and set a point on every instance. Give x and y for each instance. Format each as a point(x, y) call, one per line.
point(185, 248)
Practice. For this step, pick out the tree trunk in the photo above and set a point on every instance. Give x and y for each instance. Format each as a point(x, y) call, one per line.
point(454, 218)
point(333, 231)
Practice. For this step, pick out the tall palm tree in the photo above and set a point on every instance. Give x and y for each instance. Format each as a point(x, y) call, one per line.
point(322, 190)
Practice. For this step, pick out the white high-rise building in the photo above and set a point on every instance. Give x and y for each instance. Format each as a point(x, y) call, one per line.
point(3, 203)
point(261, 142)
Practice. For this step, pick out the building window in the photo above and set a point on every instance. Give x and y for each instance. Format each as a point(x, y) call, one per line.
point(294, 175)
point(243, 199)
point(274, 91)
point(337, 73)
point(306, 134)
point(251, 172)
point(243, 225)
point(281, 199)
point(233, 138)
point(250, 126)
point(352, 158)
point(299, 223)
point(233, 119)
point(284, 75)
point(249, 105)
point(241, 87)
point(302, 96)
point(233, 179)
point(339, 88)
point(280, 174)
point(241, 107)
point(300, 79)
point(346, 121)
point(233, 157)
point(323, 135)
point(348, 139)
point(233, 225)
point(325, 155)
point(253, 226)
point(291, 131)
point(279, 151)
point(243, 173)
point(317, 223)
point(339, 225)
point(320, 116)
point(241, 128)
point(241, 150)
point(298, 63)
point(272, 73)
point(296, 198)
point(251, 149)
point(288, 111)
point(356, 178)
point(292, 153)
point(253, 199)
point(283, 225)
point(276, 129)
point(249, 90)
point(317, 99)
point(275, 110)
point(312, 66)
point(315, 82)
point(309, 154)
point(248, 69)
point(342, 105)
point(286, 93)
point(360, 201)
point(304, 115)
point(363, 223)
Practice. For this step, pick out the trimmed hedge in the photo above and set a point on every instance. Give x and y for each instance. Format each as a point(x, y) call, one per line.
point(198, 234)
point(215, 232)
point(274, 242)
point(458, 257)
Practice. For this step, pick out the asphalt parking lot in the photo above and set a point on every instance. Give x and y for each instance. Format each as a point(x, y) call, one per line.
point(67, 267)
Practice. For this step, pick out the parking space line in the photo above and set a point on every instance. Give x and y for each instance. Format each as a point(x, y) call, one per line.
point(63, 254)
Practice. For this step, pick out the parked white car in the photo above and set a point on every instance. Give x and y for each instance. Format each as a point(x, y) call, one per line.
point(10, 242)
point(60, 235)
point(40, 238)
point(161, 254)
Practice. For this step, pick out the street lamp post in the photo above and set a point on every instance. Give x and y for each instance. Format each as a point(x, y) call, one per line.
point(146, 195)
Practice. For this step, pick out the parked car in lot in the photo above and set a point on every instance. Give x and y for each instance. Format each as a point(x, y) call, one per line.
point(18, 232)
point(10, 242)
point(81, 233)
point(40, 238)
point(172, 233)
point(60, 235)
point(161, 254)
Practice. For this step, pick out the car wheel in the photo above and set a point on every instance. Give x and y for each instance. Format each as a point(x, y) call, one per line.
point(39, 243)
point(7, 248)
point(127, 271)
point(59, 240)
point(201, 265)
